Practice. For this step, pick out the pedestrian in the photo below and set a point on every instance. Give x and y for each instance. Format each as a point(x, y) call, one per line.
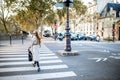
point(98, 38)
point(36, 44)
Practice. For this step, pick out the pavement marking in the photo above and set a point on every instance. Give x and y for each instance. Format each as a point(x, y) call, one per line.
point(46, 57)
point(23, 54)
point(93, 50)
point(50, 61)
point(98, 59)
point(12, 56)
point(27, 62)
point(32, 68)
point(6, 59)
point(49, 57)
point(25, 58)
point(115, 57)
point(47, 54)
point(40, 76)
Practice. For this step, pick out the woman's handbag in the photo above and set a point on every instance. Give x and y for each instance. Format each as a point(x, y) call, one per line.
point(30, 56)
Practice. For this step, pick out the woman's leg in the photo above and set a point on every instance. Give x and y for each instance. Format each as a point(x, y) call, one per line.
point(38, 66)
point(34, 64)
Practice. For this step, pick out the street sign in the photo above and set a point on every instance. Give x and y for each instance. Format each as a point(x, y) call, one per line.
point(55, 26)
point(113, 30)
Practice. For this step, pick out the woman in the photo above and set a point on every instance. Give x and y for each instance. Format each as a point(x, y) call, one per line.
point(36, 43)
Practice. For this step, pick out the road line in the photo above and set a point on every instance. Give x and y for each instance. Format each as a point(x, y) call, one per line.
point(49, 57)
point(6, 59)
point(27, 62)
point(98, 60)
point(25, 54)
point(40, 76)
point(32, 68)
point(26, 58)
point(13, 55)
point(104, 59)
point(47, 54)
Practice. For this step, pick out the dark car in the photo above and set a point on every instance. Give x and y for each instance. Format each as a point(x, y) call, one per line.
point(92, 37)
point(61, 36)
point(73, 36)
point(81, 36)
point(47, 33)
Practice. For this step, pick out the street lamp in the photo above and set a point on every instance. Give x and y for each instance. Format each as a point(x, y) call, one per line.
point(68, 38)
point(68, 51)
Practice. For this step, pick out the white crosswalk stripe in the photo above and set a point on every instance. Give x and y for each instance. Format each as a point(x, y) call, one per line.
point(23, 63)
point(40, 76)
point(24, 58)
point(49, 63)
point(32, 68)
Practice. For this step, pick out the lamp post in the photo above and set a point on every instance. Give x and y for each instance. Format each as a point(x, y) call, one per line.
point(22, 36)
point(68, 38)
point(10, 36)
point(67, 51)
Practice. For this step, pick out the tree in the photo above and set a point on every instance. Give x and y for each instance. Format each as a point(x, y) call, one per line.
point(49, 20)
point(76, 11)
point(5, 12)
point(40, 9)
point(34, 13)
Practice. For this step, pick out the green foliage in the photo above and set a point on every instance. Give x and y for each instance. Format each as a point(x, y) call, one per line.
point(79, 7)
point(9, 2)
point(61, 13)
point(41, 7)
point(34, 13)
point(108, 39)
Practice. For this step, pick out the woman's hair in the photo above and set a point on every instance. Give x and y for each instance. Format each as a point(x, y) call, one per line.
point(38, 37)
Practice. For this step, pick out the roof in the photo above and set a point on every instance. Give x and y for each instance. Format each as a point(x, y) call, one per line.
point(107, 8)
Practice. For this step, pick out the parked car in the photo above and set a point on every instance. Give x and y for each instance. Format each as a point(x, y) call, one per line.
point(81, 36)
point(73, 36)
point(61, 36)
point(92, 37)
point(47, 33)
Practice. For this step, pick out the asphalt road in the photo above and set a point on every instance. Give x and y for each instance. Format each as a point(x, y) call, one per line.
point(96, 60)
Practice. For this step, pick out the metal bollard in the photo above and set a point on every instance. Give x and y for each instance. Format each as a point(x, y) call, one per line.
point(10, 39)
point(22, 39)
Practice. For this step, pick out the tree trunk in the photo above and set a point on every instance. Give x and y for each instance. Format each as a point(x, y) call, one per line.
point(52, 30)
point(4, 24)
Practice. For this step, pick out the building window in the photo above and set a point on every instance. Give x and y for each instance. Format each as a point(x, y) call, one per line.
point(97, 27)
point(102, 34)
point(102, 28)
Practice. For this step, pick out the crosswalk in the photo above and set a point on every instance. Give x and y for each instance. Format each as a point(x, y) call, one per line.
point(14, 65)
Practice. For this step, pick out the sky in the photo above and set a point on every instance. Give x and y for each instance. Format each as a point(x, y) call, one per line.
point(86, 1)
point(100, 3)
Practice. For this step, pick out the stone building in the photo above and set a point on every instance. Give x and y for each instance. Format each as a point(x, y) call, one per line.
point(110, 20)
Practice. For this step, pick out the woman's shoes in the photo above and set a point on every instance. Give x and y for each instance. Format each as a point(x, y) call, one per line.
point(38, 69)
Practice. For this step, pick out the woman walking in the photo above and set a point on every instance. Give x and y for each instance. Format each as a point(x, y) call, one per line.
point(36, 44)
